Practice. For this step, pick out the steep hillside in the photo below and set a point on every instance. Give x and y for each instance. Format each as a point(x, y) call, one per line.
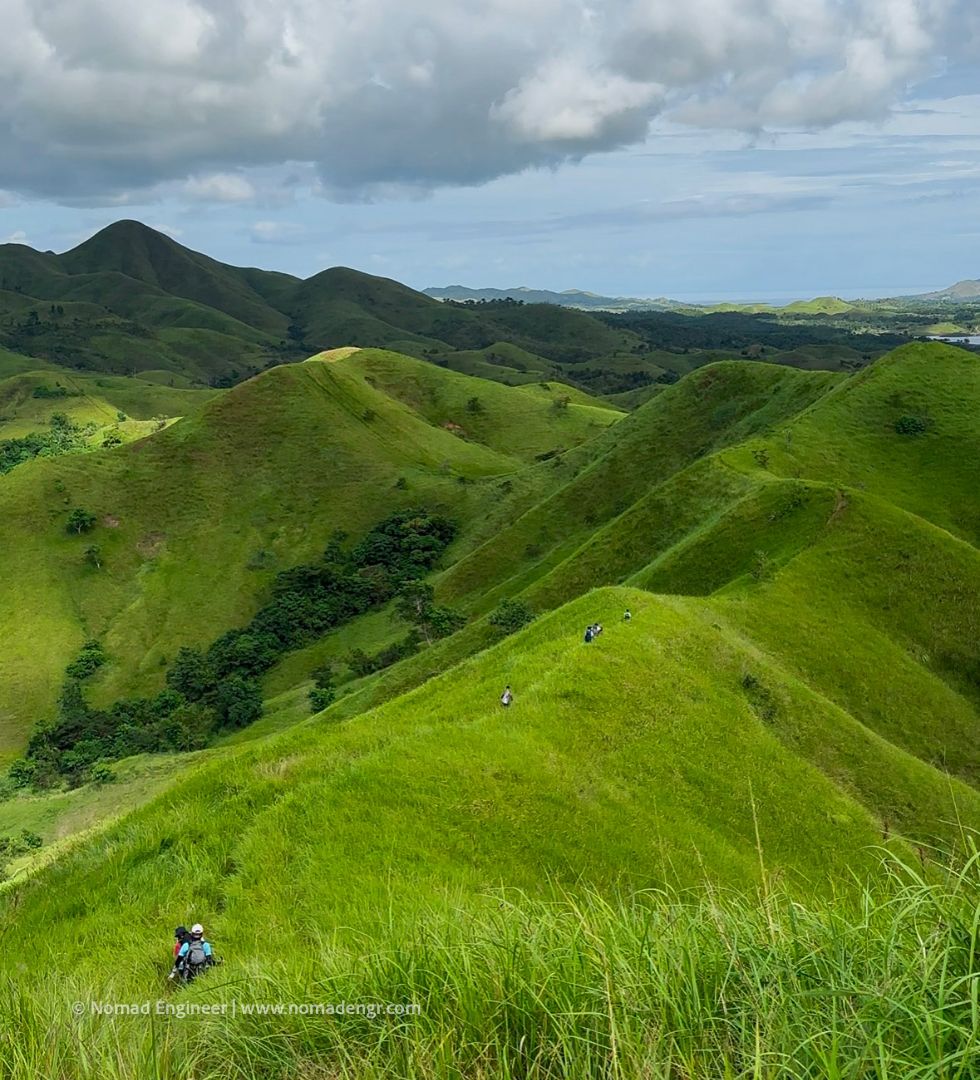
point(639, 761)
point(253, 482)
point(534, 421)
point(794, 693)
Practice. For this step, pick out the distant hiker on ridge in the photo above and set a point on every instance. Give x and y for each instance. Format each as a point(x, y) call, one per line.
point(506, 697)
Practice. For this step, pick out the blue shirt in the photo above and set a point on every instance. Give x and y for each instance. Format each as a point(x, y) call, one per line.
point(186, 946)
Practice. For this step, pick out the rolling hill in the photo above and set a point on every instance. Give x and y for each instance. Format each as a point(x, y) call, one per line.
point(265, 472)
point(132, 301)
point(795, 694)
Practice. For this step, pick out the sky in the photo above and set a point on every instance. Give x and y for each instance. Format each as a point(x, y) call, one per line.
point(702, 150)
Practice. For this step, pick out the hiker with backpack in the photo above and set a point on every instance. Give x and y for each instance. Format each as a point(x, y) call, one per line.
point(506, 697)
point(194, 956)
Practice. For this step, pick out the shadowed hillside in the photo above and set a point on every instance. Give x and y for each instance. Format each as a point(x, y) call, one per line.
point(131, 300)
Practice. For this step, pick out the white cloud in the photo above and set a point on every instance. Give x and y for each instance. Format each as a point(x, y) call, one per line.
point(101, 96)
point(219, 187)
point(18, 237)
point(276, 232)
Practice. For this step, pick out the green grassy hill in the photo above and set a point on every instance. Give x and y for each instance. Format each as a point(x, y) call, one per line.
point(251, 483)
point(795, 692)
point(131, 300)
point(28, 401)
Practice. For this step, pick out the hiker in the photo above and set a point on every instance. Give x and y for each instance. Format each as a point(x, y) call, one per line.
point(506, 697)
point(597, 630)
point(194, 956)
point(626, 615)
point(181, 934)
point(589, 634)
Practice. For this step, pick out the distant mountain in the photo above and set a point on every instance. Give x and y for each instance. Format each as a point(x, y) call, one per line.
point(574, 298)
point(131, 299)
point(961, 291)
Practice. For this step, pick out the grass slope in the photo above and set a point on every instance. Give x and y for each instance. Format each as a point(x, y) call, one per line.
point(252, 483)
point(797, 687)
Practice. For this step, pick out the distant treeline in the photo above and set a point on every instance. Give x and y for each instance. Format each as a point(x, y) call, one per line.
point(739, 330)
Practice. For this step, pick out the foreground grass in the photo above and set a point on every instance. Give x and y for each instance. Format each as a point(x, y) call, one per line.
point(667, 984)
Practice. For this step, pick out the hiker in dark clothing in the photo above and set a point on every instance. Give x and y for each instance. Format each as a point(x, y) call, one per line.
point(181, 934)
point(626, 615)
point(589, 634)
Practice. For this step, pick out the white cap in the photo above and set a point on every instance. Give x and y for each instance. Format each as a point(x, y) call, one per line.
point(197, 928)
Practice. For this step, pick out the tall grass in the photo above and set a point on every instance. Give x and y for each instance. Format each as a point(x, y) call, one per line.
point(671, 985)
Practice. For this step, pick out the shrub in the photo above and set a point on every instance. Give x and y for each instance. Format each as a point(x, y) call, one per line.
point(911, 425)
point(510, 616)
point(762, 568)
point(320, 699)
point(101, 774)
point(91, 657)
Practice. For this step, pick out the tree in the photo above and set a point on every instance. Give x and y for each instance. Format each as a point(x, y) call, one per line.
point(321, 698)
point(191, 674)
point(236, 701)
point(510, 616)
point(80, 521)
point(416, 605)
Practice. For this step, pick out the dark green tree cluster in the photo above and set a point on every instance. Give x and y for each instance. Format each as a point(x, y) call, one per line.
point(510, 616)
point(62, 437)
point(56, 391)
point(217, 689)
point(91, 657)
